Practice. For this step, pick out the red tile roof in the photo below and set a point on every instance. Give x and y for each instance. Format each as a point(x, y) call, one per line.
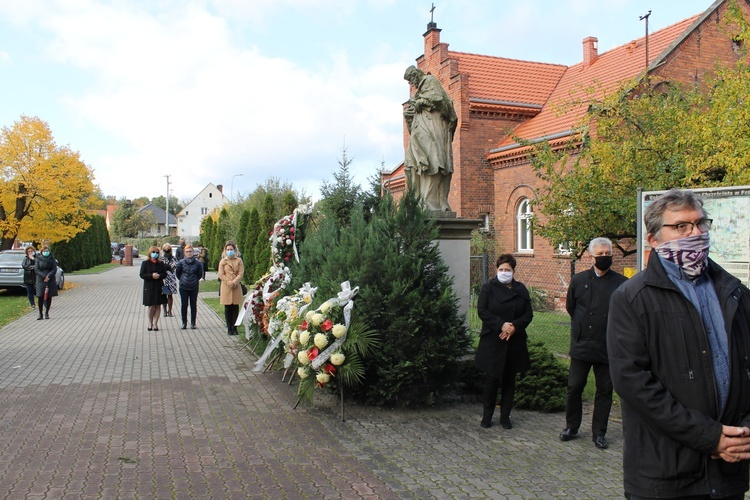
point(510, 80)
point(606, 72)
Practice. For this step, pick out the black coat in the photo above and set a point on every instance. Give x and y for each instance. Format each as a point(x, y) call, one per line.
point(497, 305)
point(45, 267)
point(29, 276)
point(153, 294)
point(661, 367)
point(588, 305)
point(189, 272)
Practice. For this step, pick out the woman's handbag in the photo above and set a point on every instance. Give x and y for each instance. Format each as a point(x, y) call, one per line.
point(165, 290)
point(244, 288)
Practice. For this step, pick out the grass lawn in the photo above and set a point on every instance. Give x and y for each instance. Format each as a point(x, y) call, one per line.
point(94, 270)
point(13, 305)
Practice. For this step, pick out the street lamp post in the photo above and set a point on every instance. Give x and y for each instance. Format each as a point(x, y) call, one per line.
point(231, 187)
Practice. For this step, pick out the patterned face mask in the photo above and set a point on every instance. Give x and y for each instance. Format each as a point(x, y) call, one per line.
point(689, 254)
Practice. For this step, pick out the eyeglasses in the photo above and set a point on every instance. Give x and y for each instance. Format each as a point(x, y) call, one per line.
point(684, 228)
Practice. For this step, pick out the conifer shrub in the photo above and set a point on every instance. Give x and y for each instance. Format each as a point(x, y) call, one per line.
point(405, 296)
point(542, 388)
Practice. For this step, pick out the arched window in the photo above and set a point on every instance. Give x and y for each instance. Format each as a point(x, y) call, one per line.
point(525, 234)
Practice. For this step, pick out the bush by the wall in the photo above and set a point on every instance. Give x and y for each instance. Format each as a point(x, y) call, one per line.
point(86, 249)
point(542, 388)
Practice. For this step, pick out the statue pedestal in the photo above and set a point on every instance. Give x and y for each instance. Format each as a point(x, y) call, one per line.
point(454, 242)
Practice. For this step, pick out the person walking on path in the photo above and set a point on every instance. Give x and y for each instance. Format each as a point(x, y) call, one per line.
point(231, 270)
point(153, 271)
point(45, 270)
point(189, 271)
point(29, 276)
point(504, 306)
point(587, 303)
point(678, 338)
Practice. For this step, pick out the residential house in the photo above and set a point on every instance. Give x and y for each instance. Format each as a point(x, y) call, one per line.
point(189, 218)
point(159, 227)
point(497, 99)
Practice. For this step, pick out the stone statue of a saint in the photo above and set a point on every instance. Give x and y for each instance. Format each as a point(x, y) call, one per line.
point(431, 121)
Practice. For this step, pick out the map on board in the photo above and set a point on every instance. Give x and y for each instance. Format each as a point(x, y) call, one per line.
point(729, 208)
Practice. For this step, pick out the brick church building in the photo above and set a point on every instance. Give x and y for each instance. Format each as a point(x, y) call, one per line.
point(497, 98)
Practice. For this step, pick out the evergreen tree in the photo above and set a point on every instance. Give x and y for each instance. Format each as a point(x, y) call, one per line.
point(250, 245)
point(242, 232)
point(207, 237)
point(220, 238)
point(405, 295)
point(262, 244)
point(340, 197)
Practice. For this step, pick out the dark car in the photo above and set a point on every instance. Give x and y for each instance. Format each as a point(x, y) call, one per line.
point(11, 270)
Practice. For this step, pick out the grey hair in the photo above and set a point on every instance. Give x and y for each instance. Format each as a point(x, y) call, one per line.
point(599, 242)
point(674, 199)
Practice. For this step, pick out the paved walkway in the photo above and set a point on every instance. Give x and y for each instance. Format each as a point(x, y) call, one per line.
point(94, 406)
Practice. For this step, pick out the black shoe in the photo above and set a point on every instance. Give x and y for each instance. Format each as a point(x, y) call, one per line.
point(183, 327)
point(486, 424)
point(46, 315)
point(567, 434)
point(505, 422)
point(193, 327)
point(600, 442)
point(40, 317)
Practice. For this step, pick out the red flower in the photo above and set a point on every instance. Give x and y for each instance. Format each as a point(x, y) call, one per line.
point(291, 229)
point(312, 353)
point(303, 326)
point(326, 325)
point(329, 369)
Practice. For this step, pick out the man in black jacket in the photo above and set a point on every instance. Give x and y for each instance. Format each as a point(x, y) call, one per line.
point(679, 348)
point(588, 305)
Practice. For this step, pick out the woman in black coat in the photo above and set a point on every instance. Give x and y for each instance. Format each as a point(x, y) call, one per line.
point(504, 307)
point(45, 269)
point(153, 272)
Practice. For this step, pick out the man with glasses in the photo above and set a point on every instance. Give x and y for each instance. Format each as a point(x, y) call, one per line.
point(678, 337)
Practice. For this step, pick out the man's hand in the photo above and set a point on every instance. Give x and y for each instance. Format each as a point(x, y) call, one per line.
point(734, 444)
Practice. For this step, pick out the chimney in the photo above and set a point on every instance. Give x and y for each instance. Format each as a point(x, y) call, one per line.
point(220, 188)
point(632, 46)
point(590, 51)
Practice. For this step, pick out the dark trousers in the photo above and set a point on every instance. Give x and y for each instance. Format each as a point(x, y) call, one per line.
point(579, 372)
point(44, 303)
point(188, 297)
point(508, 386)
point(230, 315)
point(31, 293)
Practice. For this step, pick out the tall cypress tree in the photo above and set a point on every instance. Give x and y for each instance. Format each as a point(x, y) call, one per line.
point(262, 244)
point(251, 240)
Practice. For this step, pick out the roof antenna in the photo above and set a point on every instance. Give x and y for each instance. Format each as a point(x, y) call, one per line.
point(646, 18)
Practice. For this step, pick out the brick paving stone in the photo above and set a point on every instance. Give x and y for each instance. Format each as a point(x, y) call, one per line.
point(92, 405)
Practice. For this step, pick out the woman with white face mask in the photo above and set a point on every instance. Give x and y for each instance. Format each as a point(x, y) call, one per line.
point(504, 306)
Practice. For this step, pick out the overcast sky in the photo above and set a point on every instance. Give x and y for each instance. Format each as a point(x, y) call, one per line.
point(206, 90)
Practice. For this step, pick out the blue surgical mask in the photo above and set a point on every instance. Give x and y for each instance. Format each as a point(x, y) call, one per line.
point(154, 255)
point(46, 253)
point(230, 253)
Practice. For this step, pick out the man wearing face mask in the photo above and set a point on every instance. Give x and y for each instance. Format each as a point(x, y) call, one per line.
point(587, 303)
point(678, 338)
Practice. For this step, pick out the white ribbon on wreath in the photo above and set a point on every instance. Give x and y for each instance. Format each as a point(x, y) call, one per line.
point(345, 298)
point(284, 304)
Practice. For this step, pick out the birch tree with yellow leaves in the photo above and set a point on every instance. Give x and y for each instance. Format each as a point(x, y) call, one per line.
point(45, 189)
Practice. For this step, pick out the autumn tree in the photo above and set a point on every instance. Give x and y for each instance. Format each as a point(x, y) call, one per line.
point(45, 189)
point(128, 222)
point(648, 135)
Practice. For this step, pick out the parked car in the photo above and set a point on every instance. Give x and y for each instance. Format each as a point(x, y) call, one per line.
point(135, 253)
point(11, 270)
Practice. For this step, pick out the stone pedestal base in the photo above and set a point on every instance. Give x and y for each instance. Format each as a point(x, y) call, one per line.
point(454, 244)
